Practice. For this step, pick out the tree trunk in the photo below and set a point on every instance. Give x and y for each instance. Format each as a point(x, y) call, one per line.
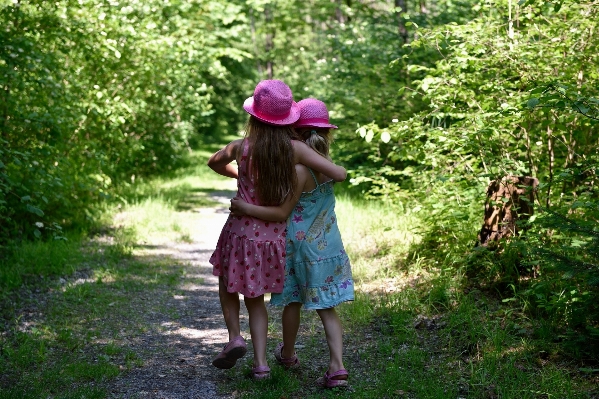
point(339, 13)
point(509, 200)
point(269, 45)
point(253, 32)
point(403, 32)
point(551, 163)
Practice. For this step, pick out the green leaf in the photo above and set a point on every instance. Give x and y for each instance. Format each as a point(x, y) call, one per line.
point(580, 107)
point(537, 90)
point(533, 102)
point(37, 233)
point(385, 137)
point(557, 6)
point(35, 210)
point(26, 198)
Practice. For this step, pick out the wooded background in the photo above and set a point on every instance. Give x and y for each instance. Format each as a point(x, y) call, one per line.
point(434, 99)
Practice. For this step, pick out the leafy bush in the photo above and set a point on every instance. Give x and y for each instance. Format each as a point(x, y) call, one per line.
point(96, 93)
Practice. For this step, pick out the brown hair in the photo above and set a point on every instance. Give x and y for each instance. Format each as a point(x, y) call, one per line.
point(320, 141)
point(272, 163)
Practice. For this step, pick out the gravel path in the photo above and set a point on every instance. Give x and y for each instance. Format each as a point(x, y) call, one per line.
point(177, 357)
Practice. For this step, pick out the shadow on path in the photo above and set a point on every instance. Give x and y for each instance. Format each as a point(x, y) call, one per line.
point(188, 331)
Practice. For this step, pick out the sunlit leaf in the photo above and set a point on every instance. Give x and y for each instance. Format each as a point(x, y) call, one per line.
point(385, 137)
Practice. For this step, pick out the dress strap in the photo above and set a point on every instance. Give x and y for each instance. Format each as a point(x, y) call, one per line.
point(314, 177)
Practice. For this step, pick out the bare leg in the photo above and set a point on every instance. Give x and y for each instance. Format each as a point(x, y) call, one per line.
point(334, 334)
point(291, 323)
point(229, 302)
point(258, 328)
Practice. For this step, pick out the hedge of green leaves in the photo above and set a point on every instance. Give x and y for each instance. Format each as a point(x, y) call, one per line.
point(94, 93)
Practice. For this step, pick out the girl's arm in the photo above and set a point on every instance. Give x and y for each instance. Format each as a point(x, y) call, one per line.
point(220, 161)
point(273, 213)
point(307, 156)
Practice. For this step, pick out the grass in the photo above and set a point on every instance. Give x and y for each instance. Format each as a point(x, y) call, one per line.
point(417, 328)
point(31, 261)
point(76, 341)
point(414, 331)
point(75, 344)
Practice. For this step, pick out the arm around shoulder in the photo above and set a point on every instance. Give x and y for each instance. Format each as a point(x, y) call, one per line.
point(273, 213)
point(307, 156)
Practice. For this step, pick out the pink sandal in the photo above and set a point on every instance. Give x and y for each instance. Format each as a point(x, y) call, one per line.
point(329, 380)
point(290, 362)
point(235, 349)
point(260, 372)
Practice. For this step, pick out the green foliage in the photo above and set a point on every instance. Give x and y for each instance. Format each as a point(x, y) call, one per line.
point(32, 260)
point(563, 255)
point(96, 93)
point(501, 101)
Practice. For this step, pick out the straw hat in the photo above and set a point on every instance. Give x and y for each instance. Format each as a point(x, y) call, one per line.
point(272, 103)
point(313, 113)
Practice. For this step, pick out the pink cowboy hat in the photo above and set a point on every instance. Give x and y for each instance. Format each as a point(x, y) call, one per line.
point(313, 113)
point(273, 103)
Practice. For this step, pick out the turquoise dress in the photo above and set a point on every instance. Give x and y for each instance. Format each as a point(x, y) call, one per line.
point(317, 269)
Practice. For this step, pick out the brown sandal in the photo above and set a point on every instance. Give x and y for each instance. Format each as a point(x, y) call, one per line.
point(291, 362)
point(329, 380)
point(260, 372)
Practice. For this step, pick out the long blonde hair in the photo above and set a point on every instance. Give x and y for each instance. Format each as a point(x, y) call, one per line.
point(319, 139)
point(272, 163)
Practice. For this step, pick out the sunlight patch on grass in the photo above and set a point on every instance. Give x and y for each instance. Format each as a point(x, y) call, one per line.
point(155, 221)
point(376, 236)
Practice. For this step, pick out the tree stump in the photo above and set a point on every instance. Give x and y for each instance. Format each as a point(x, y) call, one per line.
point(509, 199)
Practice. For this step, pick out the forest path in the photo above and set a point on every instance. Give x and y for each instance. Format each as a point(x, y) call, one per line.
point(185, 325)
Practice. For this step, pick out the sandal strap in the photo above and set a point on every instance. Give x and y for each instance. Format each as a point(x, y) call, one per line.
point(336, 374)
point(260, 369)
point(287, 361)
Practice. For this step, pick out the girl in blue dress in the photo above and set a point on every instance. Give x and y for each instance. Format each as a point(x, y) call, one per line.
point(317, 270)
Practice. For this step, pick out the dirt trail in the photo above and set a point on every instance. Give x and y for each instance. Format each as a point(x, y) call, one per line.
point(176, 357)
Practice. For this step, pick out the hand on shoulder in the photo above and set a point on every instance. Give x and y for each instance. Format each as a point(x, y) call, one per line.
point(305, 155)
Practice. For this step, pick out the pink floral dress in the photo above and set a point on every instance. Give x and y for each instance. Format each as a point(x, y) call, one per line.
point(250, 252)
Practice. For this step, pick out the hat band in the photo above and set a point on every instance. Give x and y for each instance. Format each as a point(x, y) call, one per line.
point(270, 116)
point(313, 120)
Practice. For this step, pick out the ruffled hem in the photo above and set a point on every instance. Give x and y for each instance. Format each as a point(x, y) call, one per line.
point(319, 284)
point(249, 267)
point(330, 297)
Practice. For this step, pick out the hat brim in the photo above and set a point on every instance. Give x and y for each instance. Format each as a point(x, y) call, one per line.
point(315, 124)
point(294, 114)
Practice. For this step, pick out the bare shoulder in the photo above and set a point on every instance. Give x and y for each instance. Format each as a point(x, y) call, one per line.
point(301, 170)
point(235, 144)
point(304, 178)
point(299, 150)
point(225, 155)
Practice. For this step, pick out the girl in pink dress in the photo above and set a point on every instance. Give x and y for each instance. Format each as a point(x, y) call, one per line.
point(250, 254)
